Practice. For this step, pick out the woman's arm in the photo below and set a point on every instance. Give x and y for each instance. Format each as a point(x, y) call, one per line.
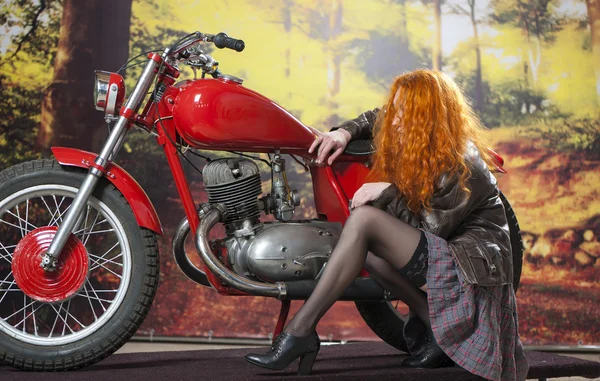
point(361, 127)
point(450, 204)
point(392, 201)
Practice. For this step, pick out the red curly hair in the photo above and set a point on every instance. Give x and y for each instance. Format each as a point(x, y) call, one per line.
point(428, 138)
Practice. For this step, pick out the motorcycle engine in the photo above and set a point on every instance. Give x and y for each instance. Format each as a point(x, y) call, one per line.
point(236, 184)
point(271, 251)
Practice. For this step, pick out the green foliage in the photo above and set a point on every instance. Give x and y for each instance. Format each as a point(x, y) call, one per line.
point(570, 134)
point(509, 103)
point(19, 111)
point(33, 27)
point(535, 17)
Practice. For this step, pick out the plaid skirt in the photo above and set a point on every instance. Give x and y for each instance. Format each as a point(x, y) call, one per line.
point(476, 326)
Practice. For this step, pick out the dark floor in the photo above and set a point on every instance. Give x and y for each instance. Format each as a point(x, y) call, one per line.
point(361, 361)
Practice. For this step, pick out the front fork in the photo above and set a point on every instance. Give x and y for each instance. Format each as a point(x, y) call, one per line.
point(97, 170)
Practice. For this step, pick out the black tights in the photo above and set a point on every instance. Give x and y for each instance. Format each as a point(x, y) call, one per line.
point(381, 243)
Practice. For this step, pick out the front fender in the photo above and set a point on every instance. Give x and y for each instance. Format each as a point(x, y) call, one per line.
point(142, 207)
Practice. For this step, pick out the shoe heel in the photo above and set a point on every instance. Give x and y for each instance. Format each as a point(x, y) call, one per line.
point(306, 363)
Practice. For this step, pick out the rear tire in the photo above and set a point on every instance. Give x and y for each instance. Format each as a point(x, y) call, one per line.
point(89, 326)
point(387, 322)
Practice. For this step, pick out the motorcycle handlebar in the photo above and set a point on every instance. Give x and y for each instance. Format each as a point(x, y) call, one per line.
point(221, 40)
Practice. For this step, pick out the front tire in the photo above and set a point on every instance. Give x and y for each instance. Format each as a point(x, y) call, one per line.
point(110, 304)
point(387, 322)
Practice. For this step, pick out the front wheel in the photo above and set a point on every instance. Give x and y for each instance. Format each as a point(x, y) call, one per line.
point(386, 319)
point(105, 281)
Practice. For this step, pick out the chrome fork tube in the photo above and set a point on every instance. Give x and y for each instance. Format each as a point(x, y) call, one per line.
point(109, 151)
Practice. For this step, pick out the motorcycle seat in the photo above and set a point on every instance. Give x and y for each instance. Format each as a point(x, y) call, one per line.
point(359, 148)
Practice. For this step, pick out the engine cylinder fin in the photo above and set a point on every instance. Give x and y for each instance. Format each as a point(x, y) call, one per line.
point(236, 184)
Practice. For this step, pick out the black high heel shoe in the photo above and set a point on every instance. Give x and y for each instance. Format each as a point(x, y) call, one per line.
point(285, 349)
point(432, 355)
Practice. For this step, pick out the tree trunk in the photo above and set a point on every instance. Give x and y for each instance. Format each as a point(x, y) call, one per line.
point(94, 34)
point(404, 22)
point(287, 26)
point(593, 9)
point(334, 73)
point(478, 74)
point(437, 38)
point(526, 105)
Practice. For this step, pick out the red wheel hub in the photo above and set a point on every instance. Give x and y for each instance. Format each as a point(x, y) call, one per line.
point(49, 286)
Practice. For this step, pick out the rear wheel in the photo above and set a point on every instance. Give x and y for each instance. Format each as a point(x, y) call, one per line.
point(105, 280)
point(386, 319)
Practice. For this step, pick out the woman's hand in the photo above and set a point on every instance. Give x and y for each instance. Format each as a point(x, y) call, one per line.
point(367, 193)
point(335, 141)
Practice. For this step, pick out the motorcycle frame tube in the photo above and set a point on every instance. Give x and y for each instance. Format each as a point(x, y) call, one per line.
point(110, 149)
point(164, 125)
point(330, 201)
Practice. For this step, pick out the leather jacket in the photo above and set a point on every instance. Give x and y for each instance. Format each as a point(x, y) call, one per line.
point(474, 226)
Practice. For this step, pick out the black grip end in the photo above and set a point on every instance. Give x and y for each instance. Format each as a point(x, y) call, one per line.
point(221, 41)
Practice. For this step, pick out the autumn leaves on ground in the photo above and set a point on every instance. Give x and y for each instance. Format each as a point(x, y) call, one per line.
point(560, 287)
point(556, 198)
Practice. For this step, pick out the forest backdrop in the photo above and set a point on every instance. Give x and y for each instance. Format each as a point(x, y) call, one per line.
point(530, 68)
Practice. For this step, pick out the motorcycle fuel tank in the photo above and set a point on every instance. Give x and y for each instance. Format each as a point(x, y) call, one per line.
point(221, 114)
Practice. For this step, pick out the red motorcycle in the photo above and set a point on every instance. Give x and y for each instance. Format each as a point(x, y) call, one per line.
point(78, 251)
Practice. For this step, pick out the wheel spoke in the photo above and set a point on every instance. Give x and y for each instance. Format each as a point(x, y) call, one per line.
point(8, 256)
point(35, 330)
point(58, 314)
point(57, 214)
point(8, 289)
point(27, 216)
point(105, 260)
point(87, 295)
point(97, 262)
point(93, 298)
point(23, 227)
point(68, 314)
point(97, 297)
point(24, 312)
point(67, 318)
point(18, 219)
point(26, 316)
point(13, 225)
point(98, 232)
point(86, 236)
point(49, 211)
point(105, 268)
point(19, 311)
point(55, 320)
point(60, 215)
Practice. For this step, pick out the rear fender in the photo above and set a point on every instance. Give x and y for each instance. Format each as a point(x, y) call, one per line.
point(497, 160)
point(142, 207)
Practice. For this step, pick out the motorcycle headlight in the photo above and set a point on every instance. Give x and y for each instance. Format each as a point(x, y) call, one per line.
point(109, 92)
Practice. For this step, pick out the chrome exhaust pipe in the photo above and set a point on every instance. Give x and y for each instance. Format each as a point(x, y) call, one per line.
point(210, 216)
point(181, 258)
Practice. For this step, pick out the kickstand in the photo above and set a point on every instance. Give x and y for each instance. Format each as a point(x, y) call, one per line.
point(283, 315)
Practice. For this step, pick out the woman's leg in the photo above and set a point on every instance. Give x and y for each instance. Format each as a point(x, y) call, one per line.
point(392, 280)
point(367, 229)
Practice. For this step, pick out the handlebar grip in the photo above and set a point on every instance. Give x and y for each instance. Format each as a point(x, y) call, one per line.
point(221, 41)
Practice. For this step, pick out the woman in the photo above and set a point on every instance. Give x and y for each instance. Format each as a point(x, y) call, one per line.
point(435, 220)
